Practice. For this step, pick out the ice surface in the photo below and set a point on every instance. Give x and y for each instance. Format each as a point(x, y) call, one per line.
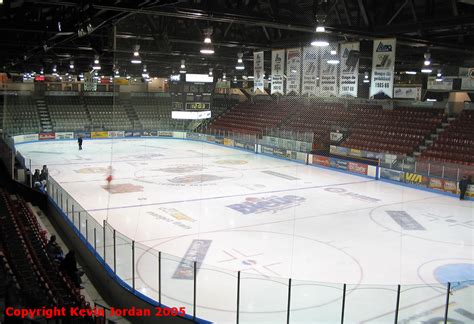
point(271, 219)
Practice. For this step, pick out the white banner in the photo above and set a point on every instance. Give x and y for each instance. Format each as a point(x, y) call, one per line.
point(349, 79)
point(310, 70)
point(293, 70)
point(445, 84)
point(413, 93)
point(278, 69)
point(114, 134)
point(383, 66)
point(258, 72)
point(329, 72)
point(64, 135)
point(467, 84)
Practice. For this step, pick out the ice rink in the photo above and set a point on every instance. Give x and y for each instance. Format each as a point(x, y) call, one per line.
point(272, 219)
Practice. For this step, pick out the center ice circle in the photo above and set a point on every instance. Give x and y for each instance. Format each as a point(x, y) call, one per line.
point(264, 270)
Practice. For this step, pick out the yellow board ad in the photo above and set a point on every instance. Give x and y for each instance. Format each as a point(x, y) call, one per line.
point(99, 134)
point(413, 178)
point(228, 142)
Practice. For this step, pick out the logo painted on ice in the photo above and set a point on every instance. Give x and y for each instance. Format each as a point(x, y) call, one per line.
point(272, 204)
point(384, 48)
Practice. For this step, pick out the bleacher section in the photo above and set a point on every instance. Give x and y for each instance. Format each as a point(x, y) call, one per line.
point(252, 118)
point(107, 113)
point(154, 112)
point(398, 131)
point(21, 115)
point(67, 113)
point(456, 143)
point(319, 119)
point(25, 260)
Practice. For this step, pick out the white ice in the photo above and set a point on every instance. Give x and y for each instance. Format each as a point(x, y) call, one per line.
point(334, 228)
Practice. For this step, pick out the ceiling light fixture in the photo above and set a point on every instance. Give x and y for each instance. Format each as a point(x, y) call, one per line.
point(136, 59)
point(207, 48)
point(182, 67)
point(71, 65)
point(411, 72)
point(96, 65)
point(427, 57)
point(426, 70)
point(240, 63)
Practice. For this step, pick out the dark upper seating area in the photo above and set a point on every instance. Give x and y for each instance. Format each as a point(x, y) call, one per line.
point(32, 278)
point(456, 143)
point(398, 131)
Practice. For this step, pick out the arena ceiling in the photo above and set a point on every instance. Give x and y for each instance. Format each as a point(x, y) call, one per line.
point(41, 33)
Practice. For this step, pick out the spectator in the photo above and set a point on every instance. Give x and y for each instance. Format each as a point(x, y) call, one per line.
point(36, 177)
point(54, 251)
point(69, 266)
point(463, 185)
point(28, 177)
point(44, 173)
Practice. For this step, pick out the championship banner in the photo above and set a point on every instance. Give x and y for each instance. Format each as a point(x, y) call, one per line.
point(278, 68)
point(258, 72)
point(383, 66)
point(310, 70)
point(328, 82)
point(349, 79)
point(293, 70)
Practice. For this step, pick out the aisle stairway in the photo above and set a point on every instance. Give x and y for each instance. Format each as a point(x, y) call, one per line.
point(44, 116)
point(131, 114)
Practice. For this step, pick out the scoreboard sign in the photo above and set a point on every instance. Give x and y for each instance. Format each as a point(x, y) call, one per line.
point(194, 94)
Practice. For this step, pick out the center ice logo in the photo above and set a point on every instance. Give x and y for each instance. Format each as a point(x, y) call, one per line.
point(272, 204)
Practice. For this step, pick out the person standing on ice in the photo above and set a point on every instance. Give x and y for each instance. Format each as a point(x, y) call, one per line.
point(463, 185)
point(79, 142)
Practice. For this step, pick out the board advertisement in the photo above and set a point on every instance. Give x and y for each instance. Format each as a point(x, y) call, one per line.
point(99, 134)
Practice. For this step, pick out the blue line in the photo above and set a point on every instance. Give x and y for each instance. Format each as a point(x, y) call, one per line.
point(230, 196)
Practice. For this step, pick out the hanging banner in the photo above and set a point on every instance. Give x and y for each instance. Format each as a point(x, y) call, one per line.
point(310, 70)
point(383, 66)
point(258, 72)
point(278, 68)
point(349, 79)
point(293, 70)
point(329, 71)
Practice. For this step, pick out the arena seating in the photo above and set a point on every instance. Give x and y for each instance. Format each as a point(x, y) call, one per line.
point(21, 115)
point(153, 112)
point(456, 143)
point(399, 131)
point(35, 278)
point(67, 113)
point(252, 118)
point(107, 113)
point(319, 119)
